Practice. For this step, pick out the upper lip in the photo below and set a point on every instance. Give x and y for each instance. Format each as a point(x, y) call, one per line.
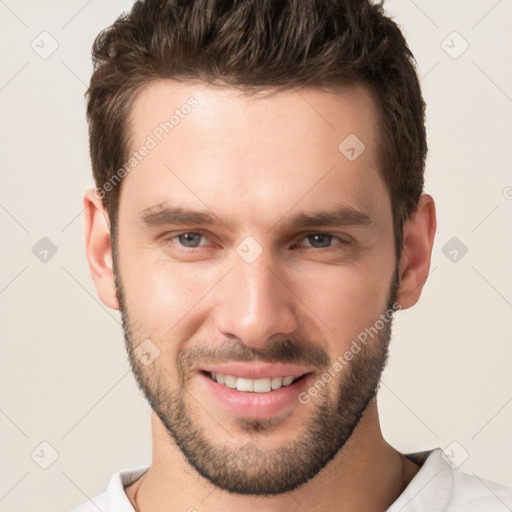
point(257, 370)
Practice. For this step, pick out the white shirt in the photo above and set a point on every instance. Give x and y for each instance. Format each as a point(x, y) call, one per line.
point(436, 487)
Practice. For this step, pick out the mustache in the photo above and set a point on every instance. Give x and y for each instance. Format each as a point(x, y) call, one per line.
point(279, 351)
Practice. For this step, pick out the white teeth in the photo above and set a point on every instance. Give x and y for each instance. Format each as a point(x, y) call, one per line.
point(262, 385)
point(244, 384)
point(230, 381)
point(277, 382)
point(287, 381)
point(252, 385)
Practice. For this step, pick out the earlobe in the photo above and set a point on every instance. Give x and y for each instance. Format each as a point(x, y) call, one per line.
point(414, 265)
point(99, 249)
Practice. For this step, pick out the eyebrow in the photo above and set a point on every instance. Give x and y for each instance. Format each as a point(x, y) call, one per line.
point(338, 216)
point(161, 215)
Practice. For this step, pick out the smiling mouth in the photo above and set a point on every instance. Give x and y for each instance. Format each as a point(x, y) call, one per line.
point(264, 385)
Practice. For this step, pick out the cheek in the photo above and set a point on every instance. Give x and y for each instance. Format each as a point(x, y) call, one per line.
point(345, 299)
point(165, 297)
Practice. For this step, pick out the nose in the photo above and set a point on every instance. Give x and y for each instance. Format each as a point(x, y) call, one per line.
point(254, 302)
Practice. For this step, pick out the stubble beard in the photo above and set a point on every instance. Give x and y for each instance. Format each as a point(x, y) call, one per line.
point(244, 468)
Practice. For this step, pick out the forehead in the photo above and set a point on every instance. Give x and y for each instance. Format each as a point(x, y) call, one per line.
point(305, 114)
point(210, 144)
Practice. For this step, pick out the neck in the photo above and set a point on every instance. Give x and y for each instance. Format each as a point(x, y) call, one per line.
point(367, 474)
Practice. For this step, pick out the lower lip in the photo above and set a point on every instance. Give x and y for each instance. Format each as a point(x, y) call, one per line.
point(253, 405)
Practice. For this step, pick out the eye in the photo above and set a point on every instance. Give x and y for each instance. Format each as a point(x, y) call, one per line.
point(190, 240)
point(323, 240)
point(194, 240)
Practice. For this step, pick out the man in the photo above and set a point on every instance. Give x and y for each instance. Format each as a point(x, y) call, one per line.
point(258, 219)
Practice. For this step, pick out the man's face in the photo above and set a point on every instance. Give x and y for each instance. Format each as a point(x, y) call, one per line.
point(262, 291)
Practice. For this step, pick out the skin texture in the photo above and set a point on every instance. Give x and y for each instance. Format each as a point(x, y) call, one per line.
point(254, 162)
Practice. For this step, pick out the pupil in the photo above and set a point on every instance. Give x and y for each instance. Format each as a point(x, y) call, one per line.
point(323, 239)
point(190, 239)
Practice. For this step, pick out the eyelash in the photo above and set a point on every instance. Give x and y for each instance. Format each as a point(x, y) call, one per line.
point(341, 241)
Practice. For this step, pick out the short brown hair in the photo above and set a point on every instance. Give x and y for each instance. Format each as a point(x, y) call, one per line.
point(257, 45)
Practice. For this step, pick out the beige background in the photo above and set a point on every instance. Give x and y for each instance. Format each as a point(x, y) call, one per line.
point(64, 375)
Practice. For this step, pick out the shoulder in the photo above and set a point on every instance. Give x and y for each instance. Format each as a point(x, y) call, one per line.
point(442, 486)
point(114, 498)
point(473, 493)
point(93, 505)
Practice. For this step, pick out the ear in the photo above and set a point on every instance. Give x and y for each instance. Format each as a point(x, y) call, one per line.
point(419, 232)
point(99, 248)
